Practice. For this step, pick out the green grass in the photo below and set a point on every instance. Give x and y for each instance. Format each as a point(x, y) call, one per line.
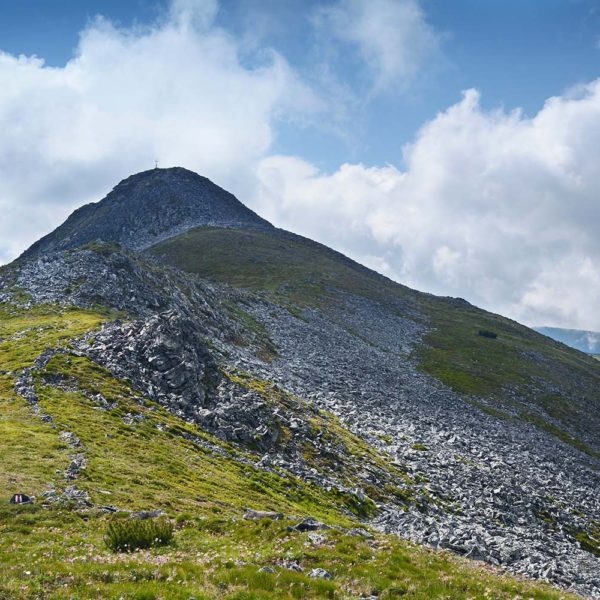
point(151, 463)
point(30, 449)
point(132, 466)
point(420, 447)
point(473, 364)
point(588, 539)
point(288, 267)
point(40, 328)
point(59, 552)
point(55, 554)
point(520, 360)
point(129, 535)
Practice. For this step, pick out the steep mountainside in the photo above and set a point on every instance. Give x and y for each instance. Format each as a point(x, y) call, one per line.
point(520, 374)
point(233, 365)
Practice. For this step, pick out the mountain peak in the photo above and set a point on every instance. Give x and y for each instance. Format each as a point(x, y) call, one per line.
point(149, 207)
point(168, 175)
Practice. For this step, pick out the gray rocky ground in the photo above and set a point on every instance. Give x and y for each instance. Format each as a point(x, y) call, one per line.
point(509, 492)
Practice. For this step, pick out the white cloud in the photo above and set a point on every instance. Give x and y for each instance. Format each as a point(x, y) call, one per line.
point(177, 91)
point(493, 206)
point(393, 37)
point(592, 341)
point(490, 205)
point(195, 13)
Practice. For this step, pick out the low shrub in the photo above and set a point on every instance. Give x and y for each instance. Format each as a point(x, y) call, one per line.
point(420, 447)
point(129, 535)
point(488, 334)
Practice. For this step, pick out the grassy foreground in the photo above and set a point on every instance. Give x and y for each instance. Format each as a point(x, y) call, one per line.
point(139, 457)
point(60, 554)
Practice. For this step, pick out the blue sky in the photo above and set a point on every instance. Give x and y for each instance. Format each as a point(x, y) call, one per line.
point(453, 145)
point(517, 53)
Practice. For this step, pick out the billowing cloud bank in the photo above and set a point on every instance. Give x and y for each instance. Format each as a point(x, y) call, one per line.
point(493, 206)
point(497, 207)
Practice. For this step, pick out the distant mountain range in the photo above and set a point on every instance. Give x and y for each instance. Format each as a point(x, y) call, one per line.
point(586, 341)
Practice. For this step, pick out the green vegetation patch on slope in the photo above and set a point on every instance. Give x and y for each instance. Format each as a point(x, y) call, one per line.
point(475, 364)
point(520, 361)
point(31, 452)
point(55, 554)
point(287, 266)
point(589, 538)
point(137, 454)
point(26, 333)
point(147, 457)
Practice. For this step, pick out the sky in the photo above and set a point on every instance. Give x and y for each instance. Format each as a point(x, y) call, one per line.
point(452, 145)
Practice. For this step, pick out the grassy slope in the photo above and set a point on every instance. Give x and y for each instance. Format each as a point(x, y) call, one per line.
point(58, 552)
point(290, 267)
point(297, 271)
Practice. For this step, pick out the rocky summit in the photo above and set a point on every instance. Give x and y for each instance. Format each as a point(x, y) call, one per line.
point(168, 354)
point(148, 207)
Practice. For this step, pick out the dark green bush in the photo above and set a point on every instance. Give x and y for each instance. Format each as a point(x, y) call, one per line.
point(129, 535)
point(488, 334)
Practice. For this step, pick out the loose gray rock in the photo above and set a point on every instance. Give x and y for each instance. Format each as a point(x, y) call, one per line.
point(266, 570)
point(320, 574)
point(308, 524)
point(257, 515)
point(360, 532)
point(143, 515)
